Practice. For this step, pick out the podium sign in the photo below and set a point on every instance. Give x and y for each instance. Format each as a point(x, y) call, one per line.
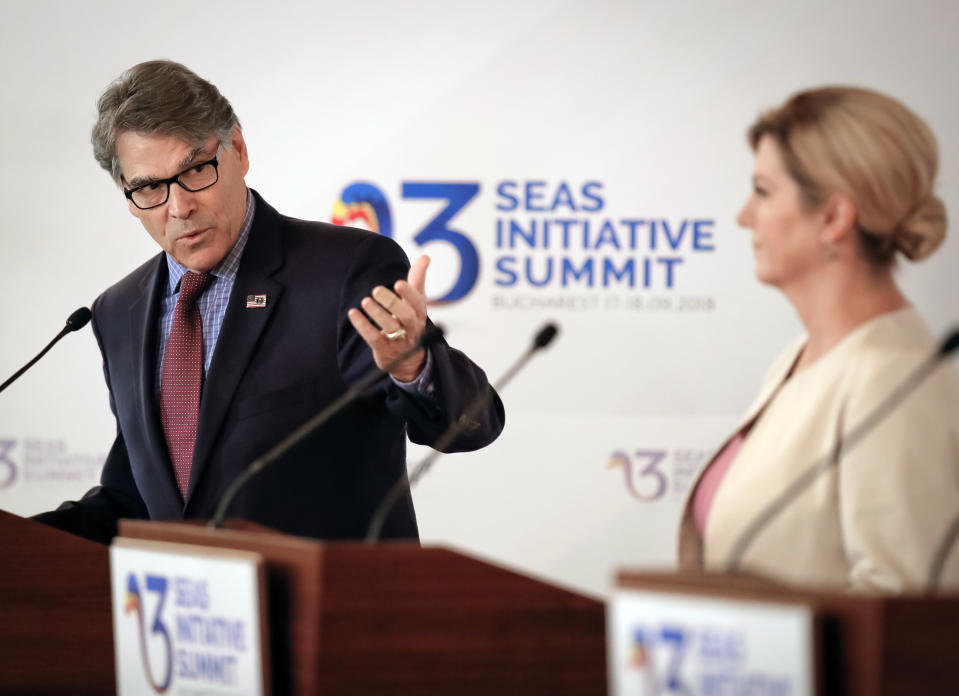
point(187, 619)
point(669, 643)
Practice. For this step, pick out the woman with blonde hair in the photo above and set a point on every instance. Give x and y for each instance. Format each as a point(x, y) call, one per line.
point(842, 186)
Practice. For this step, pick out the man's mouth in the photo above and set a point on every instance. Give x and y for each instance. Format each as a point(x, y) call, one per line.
point(191, 235)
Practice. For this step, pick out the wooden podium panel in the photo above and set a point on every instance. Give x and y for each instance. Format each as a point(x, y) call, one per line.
point(350, 618)
point(56, 630)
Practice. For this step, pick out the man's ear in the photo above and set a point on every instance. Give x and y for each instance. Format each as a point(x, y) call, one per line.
point(238, 145)
point(839, 218)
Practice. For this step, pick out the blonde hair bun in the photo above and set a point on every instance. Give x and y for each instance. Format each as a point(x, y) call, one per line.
point(923, 230)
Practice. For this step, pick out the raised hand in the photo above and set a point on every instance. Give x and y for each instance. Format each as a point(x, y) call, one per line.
point(399, 317)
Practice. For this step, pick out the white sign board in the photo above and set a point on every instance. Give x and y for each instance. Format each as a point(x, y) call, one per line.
point(187, 619)
point(664, 643)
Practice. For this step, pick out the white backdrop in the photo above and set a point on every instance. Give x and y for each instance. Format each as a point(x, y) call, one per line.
point(647, 102)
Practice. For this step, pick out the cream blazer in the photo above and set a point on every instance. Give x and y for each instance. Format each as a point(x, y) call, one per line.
point(873, 521)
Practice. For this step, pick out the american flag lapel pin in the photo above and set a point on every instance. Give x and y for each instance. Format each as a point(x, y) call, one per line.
point(253, 301)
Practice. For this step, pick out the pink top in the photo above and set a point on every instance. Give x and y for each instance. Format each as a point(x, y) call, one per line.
point(709, 483)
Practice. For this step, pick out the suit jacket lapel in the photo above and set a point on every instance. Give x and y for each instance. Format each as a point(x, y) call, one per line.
point(240, 331)
point(144, 316)
point(690, 545)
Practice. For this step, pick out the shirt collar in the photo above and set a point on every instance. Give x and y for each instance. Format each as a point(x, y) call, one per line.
point(229, 264)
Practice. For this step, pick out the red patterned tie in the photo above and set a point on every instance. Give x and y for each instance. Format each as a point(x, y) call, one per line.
point(183, 377)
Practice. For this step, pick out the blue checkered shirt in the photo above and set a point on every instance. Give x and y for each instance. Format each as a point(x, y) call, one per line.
point(212, 302)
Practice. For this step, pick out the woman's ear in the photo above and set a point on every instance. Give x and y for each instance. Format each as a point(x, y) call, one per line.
point(839, 218)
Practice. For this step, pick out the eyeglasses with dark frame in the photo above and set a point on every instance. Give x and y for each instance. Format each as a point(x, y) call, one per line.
point(196, 178)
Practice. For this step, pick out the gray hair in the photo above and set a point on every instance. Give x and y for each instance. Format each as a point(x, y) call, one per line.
point(159, 97)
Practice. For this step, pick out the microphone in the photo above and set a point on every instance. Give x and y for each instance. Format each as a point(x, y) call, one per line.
point(911, 382)
point(942, 553)
point(430, 336)
point(75, 322)
point(950, 344)
point(542, 339)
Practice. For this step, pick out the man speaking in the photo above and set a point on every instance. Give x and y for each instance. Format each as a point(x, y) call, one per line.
point(245, 326)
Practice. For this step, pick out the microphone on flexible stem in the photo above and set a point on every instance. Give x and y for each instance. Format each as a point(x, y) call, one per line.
point(542, 339)
point(75, 322)
point(431, 335)
point(912, 381)
point(942, 553)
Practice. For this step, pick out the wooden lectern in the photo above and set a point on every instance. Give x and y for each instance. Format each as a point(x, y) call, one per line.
point(345, 618)
point(867, 645)
point(351, 618)
point(56, 631)
point(396, 618)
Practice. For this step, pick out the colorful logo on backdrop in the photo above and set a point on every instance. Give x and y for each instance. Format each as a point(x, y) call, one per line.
point(363, 205)
point(8, 467)
point(366, 202)
point(553, 244)
point(651, 474)
point(181, 639)
point(41, 461)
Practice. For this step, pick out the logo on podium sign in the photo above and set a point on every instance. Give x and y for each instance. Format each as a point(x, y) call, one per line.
point(187, 619)
point(663, 643)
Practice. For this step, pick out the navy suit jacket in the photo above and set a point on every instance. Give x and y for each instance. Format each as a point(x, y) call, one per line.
point(273, 368)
